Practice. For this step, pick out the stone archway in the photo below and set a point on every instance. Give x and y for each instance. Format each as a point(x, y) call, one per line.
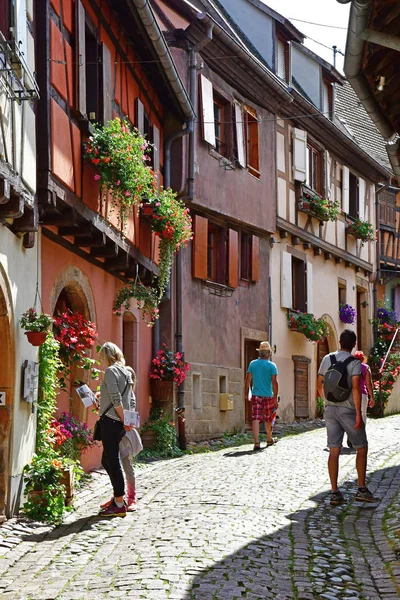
point(72, 290)
point(7, 383)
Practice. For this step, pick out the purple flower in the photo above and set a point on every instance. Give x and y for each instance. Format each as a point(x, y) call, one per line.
point(347, 314)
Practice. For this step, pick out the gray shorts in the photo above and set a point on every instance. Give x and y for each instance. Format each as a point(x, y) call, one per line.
point(340, 420)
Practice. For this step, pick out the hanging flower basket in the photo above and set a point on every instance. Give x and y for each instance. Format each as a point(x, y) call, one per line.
point(36, 338)
point(317, 206)
point(147, 210)
point(161, 390)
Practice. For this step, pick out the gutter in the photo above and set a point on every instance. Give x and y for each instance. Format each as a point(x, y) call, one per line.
point(146, 15)
point(359, 19)
point(268, 78)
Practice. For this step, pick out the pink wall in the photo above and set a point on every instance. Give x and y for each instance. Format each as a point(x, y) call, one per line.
point(55, 260)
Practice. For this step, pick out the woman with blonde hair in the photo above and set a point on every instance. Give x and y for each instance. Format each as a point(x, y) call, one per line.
point(115, 396)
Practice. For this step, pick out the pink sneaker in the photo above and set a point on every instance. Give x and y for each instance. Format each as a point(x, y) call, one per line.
point(131, 505)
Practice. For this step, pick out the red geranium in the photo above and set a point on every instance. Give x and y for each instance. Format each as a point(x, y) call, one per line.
point(169, 366)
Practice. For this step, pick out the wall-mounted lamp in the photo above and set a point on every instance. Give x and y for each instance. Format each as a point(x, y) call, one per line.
point(272, 241)
point(364, 304)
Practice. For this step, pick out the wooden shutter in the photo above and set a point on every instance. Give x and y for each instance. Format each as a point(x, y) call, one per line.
point(207, 110)
point(301, 386)
point(253, 159)
point(325, 101)
point(361, 199)
point(156, 152)
point(108, 93)
point(240, 135)
point(233, 258)
point(286, 280)
point(200, 242)
point(80, 54)
point(345, 190)
point(21, 31)
point(280, 60)
point(139, 116)
point(309, 275)
point(328, 165)
point(299, 154)
point(255, 258)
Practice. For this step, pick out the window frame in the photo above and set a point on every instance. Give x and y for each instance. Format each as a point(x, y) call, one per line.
point(314, 179)
point(354, 195)
point(245, 256)
point(299, 284)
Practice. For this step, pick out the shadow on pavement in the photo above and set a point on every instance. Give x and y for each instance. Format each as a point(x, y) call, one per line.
point(278, 566)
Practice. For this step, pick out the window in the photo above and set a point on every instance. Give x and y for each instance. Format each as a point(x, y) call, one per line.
point(245, 256)
point(342, 292)
point(92, 75)
point(299, 291)
point(251, 141)
point(216, 253)
point(327, 99)
point(353, 196)
point(197, 396)
point(387, 208)
point(314, 168)
point(221, 116)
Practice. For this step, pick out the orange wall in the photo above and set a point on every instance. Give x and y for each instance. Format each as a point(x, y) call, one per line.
point(55, 260)
point(66, 139)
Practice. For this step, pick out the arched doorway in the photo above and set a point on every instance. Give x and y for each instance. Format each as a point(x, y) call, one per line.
point(7, 382)
point(72, 297)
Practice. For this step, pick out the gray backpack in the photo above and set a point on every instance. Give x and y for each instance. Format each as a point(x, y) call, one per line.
point(336, 387)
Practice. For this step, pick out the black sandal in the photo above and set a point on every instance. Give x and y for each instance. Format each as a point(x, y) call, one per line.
point(256, 448)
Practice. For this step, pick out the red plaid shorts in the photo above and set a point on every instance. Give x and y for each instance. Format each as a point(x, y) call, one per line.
point(262, 409)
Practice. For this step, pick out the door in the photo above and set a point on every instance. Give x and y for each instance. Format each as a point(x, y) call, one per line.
point(250, 353)
point(301, 387)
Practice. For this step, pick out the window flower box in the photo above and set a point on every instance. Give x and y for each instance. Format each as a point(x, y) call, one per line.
point(361, 230)
point(311, 327)
point(315, 205)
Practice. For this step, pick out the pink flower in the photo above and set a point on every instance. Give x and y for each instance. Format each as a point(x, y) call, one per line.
point(97, 177)
point(118, 182)
point(127, 194)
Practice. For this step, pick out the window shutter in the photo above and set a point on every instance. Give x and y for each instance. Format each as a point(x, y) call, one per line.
point(21, 33)
point(207, 109)
point(255, 258)
point(286, 280)
point(139, 117)
point(328, 165)
point(233, 258)
point(107, 84)
point(80, 54)
point(325, 101)
point(200, 242)
point(156, 152)
point(309, 275)
point(345, 189)
point(240, 135)
point(280, 60)
point(299, 154)
point(361, 199)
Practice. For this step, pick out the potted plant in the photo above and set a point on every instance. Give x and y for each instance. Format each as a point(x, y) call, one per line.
point(312, 328)
point(36, 326)
point(347, 314)
point(120, 156)
point(167, 367)
point(159, 434)
point(71, 436)
point(171, 222)
point(45, 491)
point(361, 230)
point(319, 207)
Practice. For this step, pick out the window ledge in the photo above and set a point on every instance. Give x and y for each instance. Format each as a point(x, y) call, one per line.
point(86, 127)
point(218, 289)
point(224, 162)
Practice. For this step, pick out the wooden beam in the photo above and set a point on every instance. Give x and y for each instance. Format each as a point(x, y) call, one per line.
point(67, 217)
point(91, 241)
point(79, 229)
point(29, 222)
point(29, 239)
point(327, 255)
point(317, 251)
point(5, 191)
point(13, 209)
point(295, 240)
point(110, 251)
point(306, 245)
point(338, 260)
point(120, 263)
point(283, 234)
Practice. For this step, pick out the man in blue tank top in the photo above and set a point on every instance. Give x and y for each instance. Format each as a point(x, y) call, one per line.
point(263, 376)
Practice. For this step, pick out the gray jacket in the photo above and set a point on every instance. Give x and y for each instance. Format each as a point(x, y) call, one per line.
point(114, 390)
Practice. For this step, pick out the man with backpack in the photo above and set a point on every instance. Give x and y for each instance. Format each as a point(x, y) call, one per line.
point(339, 382)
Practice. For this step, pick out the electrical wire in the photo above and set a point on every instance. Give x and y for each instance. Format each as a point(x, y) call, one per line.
point(317, 24)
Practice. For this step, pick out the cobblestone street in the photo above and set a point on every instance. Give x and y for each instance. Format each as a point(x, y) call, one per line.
point(223, 525)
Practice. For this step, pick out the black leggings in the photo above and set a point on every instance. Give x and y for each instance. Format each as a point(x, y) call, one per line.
point(112, 433)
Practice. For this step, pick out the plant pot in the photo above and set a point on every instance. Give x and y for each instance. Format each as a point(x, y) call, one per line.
point(162, 391)
point(148, 439)
point(387, 336)
point(36, 338)
point(293, 325)
point(37, 497)
point(68, 479)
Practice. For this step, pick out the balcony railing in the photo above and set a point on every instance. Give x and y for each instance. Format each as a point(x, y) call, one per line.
point(16, 79)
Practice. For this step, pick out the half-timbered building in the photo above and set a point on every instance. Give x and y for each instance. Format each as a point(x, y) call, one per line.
point(19, 247)
point(98, 60)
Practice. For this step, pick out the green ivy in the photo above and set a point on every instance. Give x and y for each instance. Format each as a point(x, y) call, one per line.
point(49, 366)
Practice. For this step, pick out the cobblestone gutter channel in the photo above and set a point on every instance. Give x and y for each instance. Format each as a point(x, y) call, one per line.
point(224, 525)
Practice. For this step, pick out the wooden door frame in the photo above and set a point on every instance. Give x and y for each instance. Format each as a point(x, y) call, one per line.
point(248, 335)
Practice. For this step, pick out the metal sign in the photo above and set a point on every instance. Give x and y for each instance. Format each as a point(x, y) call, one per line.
point(31, 375)
point(2, 398)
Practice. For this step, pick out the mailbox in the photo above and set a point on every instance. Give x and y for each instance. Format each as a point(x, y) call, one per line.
point(226, 402)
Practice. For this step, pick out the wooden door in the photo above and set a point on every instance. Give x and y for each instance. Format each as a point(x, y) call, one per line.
point(301, 385)
point(323, 350)
point(250, 353)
